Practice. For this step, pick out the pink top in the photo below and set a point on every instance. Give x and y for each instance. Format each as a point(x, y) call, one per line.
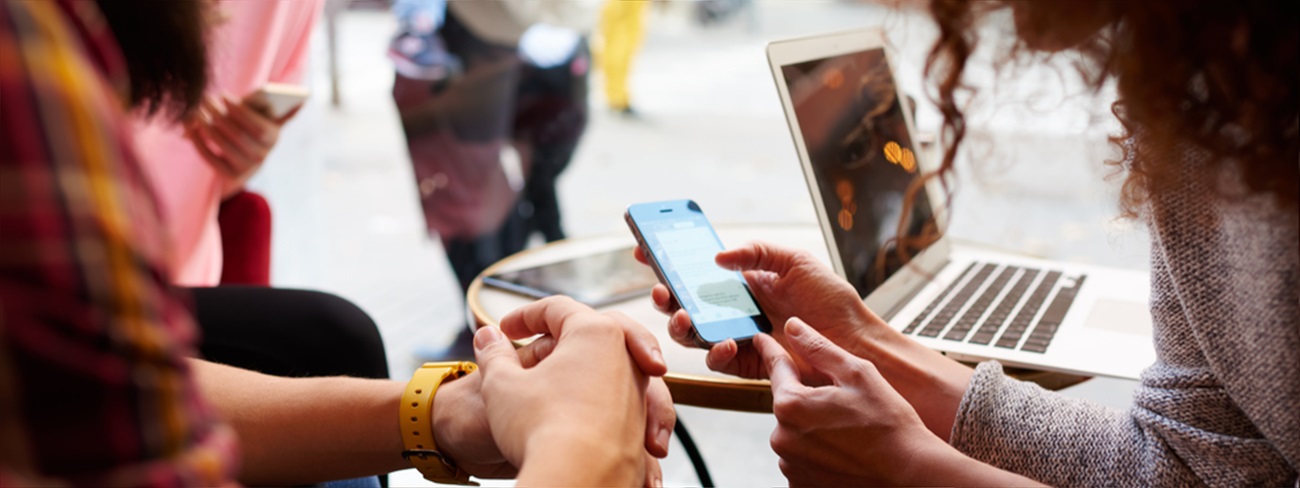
point(256, 43)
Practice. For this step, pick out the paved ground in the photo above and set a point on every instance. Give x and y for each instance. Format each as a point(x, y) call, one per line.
point(348, 220)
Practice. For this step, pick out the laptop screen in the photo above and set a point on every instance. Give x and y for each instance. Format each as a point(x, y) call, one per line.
point(864, 161)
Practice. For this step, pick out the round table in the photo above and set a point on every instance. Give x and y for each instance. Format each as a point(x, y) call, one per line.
point(689, 380)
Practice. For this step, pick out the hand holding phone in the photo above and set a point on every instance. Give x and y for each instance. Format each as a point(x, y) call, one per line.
point(680, 245)
point(235, 136)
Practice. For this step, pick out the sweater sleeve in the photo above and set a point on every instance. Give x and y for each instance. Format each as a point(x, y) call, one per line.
point(1020, 427)
point(1219, 406)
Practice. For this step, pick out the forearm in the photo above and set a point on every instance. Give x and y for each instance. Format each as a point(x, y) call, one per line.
point(305, 430)
point(949, 467)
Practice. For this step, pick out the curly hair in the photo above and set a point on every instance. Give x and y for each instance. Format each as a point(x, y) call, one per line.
point(1214, 77)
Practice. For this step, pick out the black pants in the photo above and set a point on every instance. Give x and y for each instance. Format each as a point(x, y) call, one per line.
point(282, 332)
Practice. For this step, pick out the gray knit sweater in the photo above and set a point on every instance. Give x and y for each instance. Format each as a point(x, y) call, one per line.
point(1221, 405)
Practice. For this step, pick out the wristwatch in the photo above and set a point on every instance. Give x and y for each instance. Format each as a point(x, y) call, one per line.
point(416, 418)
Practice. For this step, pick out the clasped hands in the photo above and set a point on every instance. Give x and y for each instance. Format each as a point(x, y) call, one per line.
point(589, 384)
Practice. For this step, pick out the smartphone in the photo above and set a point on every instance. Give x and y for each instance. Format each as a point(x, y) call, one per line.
point(278, 99)
point(681, 246)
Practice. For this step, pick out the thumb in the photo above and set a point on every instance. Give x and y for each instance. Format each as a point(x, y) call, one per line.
point(758, 256)
point(818, 352)
point(494, 352)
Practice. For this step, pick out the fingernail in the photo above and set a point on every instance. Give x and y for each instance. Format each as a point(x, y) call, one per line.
point(657, 482)
point(795, 327)
point(486, 337)
point(665, 433)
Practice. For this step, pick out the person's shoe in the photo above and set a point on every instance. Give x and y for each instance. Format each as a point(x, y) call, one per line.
point(423, 57)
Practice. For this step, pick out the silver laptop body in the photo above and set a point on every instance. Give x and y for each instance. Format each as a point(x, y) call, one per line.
point(854, 138)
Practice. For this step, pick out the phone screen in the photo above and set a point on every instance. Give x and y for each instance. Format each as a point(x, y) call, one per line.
point(682, 245)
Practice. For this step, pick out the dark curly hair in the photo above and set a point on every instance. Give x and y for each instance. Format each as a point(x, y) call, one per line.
point(1214, 77)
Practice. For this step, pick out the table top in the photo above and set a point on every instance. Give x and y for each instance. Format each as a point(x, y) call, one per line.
point(689, 380)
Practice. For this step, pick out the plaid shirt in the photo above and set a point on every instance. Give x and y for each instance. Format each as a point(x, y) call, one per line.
point(94, 385)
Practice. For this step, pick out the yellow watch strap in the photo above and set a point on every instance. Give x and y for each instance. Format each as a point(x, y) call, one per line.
point(416, 418)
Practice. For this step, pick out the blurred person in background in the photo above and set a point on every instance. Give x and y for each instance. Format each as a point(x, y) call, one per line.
point(622, 30)
point(220, 233)
point(98, 385)
point(1209, 101)
point(709, 13)
point(488, 139)
point(417, 51)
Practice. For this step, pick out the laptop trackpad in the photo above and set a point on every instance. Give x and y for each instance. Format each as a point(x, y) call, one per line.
point(1119, 316)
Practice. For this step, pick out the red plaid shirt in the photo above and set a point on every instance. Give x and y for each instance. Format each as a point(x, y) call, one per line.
point(94, 385)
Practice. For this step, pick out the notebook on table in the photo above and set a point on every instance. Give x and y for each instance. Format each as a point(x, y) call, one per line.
point(854, 138)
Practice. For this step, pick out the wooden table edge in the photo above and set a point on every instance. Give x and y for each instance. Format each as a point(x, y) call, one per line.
point(697, 391)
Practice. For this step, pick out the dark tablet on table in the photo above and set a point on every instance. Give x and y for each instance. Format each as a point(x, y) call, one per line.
point(596, 280)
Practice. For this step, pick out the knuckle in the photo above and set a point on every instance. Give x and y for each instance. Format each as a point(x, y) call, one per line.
point(557, 308)
point(868, 367)
point(787, 408)
point(618, 317)
point(676, 329)
point(602, 327)
point(557, 301)
point(801, 256)
point(781, 441)
point(865, 372)
point(786, 470)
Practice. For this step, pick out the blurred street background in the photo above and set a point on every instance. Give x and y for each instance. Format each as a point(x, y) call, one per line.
point(711, 128)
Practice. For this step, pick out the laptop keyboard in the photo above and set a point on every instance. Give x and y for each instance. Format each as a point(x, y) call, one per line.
point(1004, 294)
point(994, 322)
point(1021, 322)
point(930, 308)
point(945, 315)
point(1051, 319)
point(967, 321)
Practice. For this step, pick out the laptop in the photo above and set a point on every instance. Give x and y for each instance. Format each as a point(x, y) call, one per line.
point(853, 134)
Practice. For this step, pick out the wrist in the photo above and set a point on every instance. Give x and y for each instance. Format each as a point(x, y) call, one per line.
point(579, 456)
point(940, 464)
point(446, 406)
point(931, 462)
point(866, 332)
point(458, 430)
point(932, 383)
point(426, 397)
